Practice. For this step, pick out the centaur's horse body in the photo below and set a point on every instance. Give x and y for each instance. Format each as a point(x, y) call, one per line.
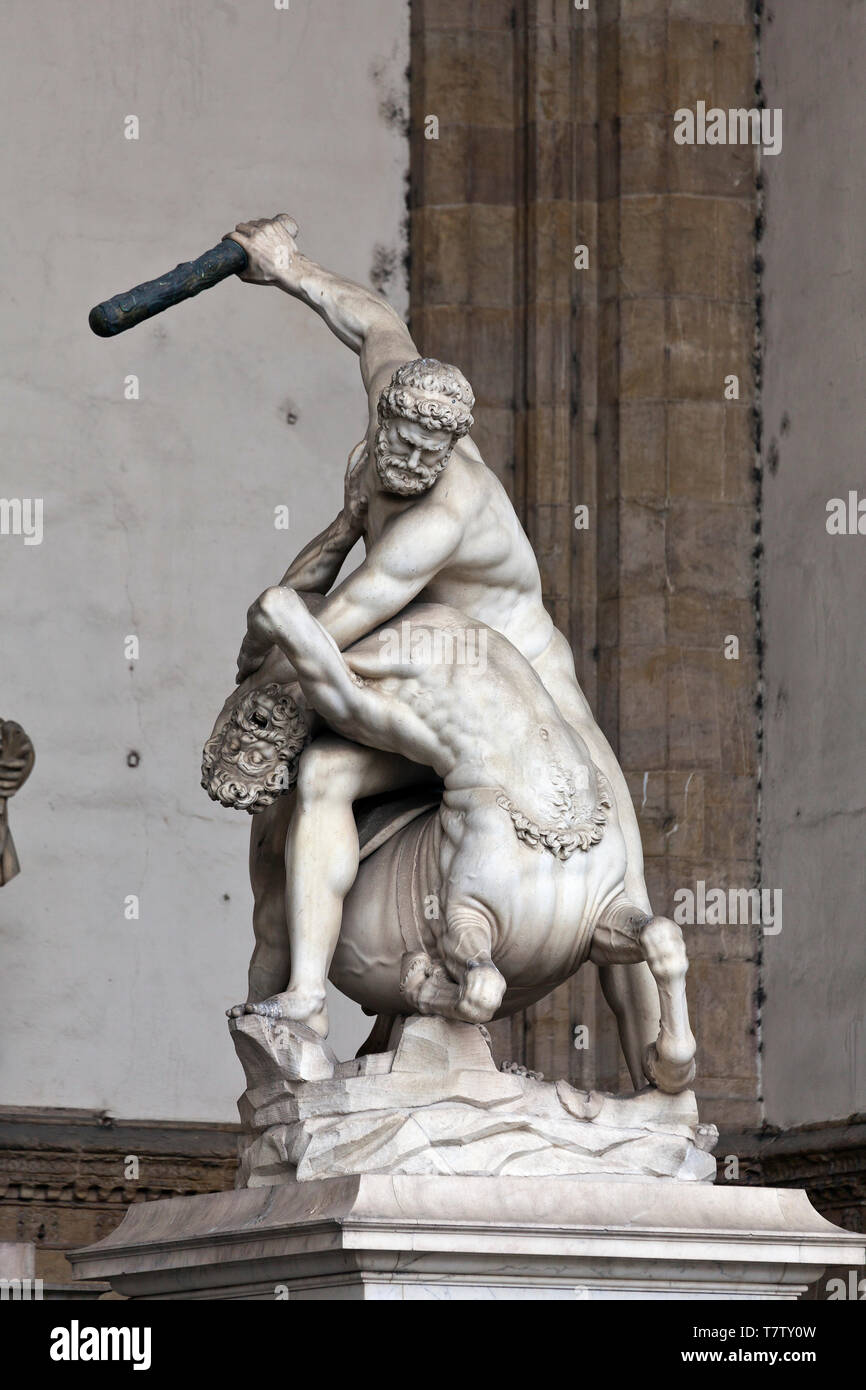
point(541, 910)
point(485, 901)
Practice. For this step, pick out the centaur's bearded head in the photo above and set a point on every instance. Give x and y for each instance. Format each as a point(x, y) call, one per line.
point(254, 757)
point(424, 410)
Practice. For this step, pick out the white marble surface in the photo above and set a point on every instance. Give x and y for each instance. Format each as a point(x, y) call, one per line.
point(372, 1238)
point(17, 1259)
point(435, 1102)
point(436, 653)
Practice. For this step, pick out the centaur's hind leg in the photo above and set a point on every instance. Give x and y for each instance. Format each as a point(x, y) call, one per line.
point(630, 992)
point(626, 935)
point(628, 987)
point(426, 985)
point(466, 985)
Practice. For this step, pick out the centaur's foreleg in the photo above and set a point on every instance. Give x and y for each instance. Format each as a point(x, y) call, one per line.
point(626, 935)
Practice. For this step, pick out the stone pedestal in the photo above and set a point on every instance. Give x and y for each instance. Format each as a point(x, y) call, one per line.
point(423, 1172)
point(387, 1237)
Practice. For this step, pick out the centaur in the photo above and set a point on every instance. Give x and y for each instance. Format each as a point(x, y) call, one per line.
point(487, 898)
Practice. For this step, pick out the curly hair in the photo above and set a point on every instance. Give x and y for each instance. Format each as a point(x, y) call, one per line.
point(429, 393)
point(572, 833)
point(254, 757)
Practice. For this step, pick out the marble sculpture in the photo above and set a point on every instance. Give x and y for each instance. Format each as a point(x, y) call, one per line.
point(439, 826)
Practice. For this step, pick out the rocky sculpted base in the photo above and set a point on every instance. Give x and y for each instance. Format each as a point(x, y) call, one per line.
point(435, 1103)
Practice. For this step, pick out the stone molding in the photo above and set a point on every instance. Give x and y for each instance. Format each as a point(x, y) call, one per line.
point(828, 1159)
point(61, 1171)
point(62, 1174)
point(482, 1238)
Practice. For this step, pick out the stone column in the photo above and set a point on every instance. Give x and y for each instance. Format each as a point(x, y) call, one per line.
point(603, 387)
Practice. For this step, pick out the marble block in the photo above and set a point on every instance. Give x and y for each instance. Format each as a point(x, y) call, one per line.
point(374, 1237)
point(17, 1259)
point(436, 1103)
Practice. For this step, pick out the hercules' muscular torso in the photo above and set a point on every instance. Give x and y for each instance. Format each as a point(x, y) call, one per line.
point(492, 575)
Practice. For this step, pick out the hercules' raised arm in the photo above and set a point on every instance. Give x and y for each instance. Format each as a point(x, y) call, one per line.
point(360, 317)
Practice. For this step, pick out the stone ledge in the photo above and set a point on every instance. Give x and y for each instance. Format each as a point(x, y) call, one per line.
point(62, 1180)
point(827, 1159)
point(89, 1131)
point(384, 1237)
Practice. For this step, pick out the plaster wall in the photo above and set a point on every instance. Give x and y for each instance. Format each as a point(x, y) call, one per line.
point(159, 513)
point(814, 810)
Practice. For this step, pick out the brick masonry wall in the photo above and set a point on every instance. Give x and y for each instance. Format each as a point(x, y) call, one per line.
point(604, 387)
point(65, 1175)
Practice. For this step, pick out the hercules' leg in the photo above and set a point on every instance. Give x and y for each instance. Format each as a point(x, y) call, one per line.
point(270, 964)
point(321, 864)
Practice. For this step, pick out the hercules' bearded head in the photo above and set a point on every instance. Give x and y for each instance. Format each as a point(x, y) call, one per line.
point(254, 757)
point(424, 410)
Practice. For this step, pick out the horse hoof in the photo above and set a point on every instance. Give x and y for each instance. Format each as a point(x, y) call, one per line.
point(481, 993)
point(668, 1075)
